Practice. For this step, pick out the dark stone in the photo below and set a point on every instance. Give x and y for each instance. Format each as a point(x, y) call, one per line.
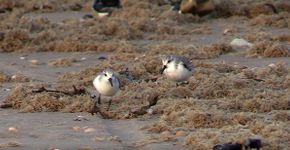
point(254, 143)
point(228, 146)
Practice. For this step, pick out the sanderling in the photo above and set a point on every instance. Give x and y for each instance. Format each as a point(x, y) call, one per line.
point(107, 84)
point(177, 68)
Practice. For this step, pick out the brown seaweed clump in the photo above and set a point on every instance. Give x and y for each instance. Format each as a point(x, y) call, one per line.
point(24, 99)
point(14, 40)
point(62, 62)
point(263, 8)
point(277, 50)
point(3, 77)
point(282, 38)
point(250, 9)
point(19, 77)
point(283, 5)
point(215, 50)
point(280, 20)
point(196, 119)
point(268, 49)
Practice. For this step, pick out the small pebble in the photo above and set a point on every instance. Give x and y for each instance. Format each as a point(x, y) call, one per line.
point(240, 43)
point(227, 31)
point(114, 138)
point(6, 89)
point(22, 58)
point(98, 139)
point(272, 65)
point(12, 129)
point(13, 77)
point(80, 118)
point(88, 130)
point(150, 111)
point(35, 62)
point(76, 128)
point(102, 57)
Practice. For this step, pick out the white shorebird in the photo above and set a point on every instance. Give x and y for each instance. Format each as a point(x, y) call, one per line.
point(107, 84)
point(177, 68)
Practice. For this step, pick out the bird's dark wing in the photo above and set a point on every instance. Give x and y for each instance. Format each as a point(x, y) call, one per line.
point(118, 79)
point(186, 63)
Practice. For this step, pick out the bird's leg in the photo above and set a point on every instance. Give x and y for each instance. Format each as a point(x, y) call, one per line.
point(93, 111)
point(109, 105)
point(95, 108)
point(99, 99)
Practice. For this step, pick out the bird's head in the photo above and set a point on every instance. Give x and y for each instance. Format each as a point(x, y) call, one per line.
point(165, 62)
point(108, 75)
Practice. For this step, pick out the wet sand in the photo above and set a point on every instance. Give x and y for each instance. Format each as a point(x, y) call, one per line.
point(55, 131)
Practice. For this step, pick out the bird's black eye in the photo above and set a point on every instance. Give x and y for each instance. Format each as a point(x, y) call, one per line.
point(105, 74)
point(168, 61)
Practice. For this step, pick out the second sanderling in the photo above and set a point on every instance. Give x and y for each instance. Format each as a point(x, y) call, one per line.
point(177, 68)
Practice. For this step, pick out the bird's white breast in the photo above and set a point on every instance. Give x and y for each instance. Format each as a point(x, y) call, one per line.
point(104, 87)
point(178, 74)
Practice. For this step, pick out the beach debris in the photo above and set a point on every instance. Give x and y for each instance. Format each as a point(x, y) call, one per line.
point(152, 99)
point(5, 106)
point(89, 130)
point(76, 128)
point(114, 138)
point(12, 129)
point(268, 49)
point(102, 57)
point(75, 91)
point(80, 118)
point(83, 58)
point(240, 43)
point(52, 148)
point(253, 143)
point(22, 58)
point(6, 89)
point(99, 139)
point(228, 146)
point(200, 8)
point(4, 77)
point(35, 62)
point(228, 30)
point(19, 77)
point(10, 144)
point(62, 62)
point(150, 111)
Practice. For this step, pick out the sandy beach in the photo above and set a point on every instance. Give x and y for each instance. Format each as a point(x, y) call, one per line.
point(235, 93)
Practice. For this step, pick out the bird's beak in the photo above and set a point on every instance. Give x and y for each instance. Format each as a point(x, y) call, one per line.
point(162, 69)
point(111, 81)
